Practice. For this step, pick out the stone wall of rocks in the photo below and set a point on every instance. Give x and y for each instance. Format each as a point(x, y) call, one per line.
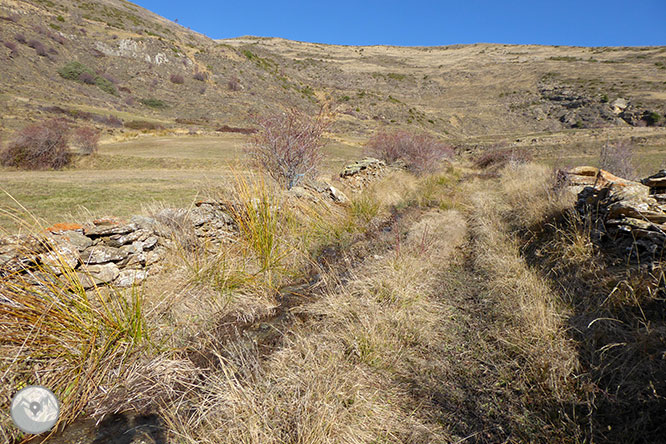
point(627, 216)
point(124, 253)
point(112, 251)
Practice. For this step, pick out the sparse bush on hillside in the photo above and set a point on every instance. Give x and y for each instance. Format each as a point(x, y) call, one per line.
point(420, 151)
point(154, 103)
point(86, 78)
point(86, 138)
point(651, 118)
point(143, 125)
point(617, 158)
point(79, 72)
point(12, 47)
point(177, 79)
point(234, 84)
point(498, 157)
point(200, 76)
point(20, 38)
point(39, 146)
point(288, 145)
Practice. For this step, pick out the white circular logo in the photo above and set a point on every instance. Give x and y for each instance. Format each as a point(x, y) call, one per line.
point(35, 409)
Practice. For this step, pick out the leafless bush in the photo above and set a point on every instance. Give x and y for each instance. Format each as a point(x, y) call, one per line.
point(12, 47)
point(143, 125)
point(86, 138)
point(288, 145)
point(109, 77)
point(39, 146)
point(420, 151)
point(234, 84)
point(20, 38)
point(201, 76)
point(617, 158)
point(499, 157)
point(87, 78)
point(177, 79)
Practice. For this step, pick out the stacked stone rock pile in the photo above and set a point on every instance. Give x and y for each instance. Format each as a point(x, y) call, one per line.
point(625, 215)
point(110, 251)
point(360, 173)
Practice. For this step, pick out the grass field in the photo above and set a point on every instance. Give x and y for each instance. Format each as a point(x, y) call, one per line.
point(126, 176)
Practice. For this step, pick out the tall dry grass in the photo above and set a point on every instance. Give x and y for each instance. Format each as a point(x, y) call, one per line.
point(531, 318)
point(55, 333)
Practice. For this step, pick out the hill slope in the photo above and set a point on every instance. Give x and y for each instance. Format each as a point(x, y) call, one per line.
point(458, 91)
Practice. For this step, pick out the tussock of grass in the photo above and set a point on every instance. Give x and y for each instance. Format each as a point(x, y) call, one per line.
point(54, 333)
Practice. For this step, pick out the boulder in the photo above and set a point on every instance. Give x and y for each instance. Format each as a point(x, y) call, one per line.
point(78, 239)
point(62, 255)
point(337, 195)
point(362, 165)
point(109, 229)
point(618, 105)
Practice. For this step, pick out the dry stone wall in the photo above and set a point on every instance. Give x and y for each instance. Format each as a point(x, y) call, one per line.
point(627, 216)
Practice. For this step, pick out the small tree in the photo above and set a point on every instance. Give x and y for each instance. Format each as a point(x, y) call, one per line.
point(421, 152)
point(288, 145)
point(617, 158)
point(86, 138)
point(39, 146)
point(177, 79)
point(234, 84)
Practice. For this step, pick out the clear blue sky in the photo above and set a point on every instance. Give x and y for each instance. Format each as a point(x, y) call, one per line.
point(420, 22)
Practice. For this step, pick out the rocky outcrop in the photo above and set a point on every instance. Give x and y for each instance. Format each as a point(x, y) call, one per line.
point(627, 216)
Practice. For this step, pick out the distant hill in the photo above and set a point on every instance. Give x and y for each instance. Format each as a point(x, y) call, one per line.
point(141, 66)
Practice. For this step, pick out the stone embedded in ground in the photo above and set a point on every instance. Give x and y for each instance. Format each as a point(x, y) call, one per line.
point(337, 195)
point(361, 165)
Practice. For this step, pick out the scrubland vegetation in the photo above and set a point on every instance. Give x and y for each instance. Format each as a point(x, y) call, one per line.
point(437, 306)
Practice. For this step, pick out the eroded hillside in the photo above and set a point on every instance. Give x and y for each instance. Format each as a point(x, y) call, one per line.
point(164, 73)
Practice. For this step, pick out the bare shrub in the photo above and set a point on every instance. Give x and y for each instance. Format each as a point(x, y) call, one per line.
point(288, 145)
point(200, 76)
point(498, 157)
point(617, 158)
point(234, 84)
point(177, 79)
point(109, 77)
point(86, 138)
point(20, 38)
point(87, 78)
point(420, 151)
point(39, 146)
point(12, 47)
point(143, 125)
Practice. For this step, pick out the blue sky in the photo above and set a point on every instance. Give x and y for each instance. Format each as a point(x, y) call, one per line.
point(419, 22)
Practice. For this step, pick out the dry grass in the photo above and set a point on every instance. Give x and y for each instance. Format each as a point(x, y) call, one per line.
point(336, 376)
point(54, 333)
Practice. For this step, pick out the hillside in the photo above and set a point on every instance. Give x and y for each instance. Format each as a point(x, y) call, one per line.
point(459, 92)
